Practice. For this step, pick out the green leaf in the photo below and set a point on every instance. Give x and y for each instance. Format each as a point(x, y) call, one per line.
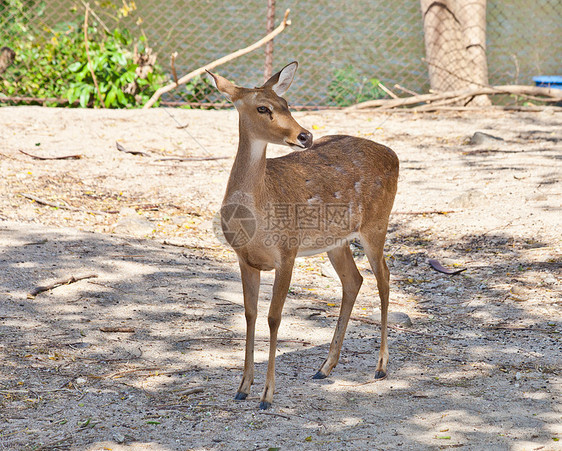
point(119, 58)
point(84, 98)
point(74, 67)
point(110, 98)
point(121, 97)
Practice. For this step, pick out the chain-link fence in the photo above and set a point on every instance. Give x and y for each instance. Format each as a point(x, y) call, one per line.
point(344, 47)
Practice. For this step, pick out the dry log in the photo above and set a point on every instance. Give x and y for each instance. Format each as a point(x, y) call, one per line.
point(218, 62)
point(549, 94)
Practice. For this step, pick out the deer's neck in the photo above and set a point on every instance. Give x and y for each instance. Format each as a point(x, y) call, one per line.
point(247, 176)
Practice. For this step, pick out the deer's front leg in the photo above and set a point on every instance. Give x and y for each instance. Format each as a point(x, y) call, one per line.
point(251, 288)
point(280, 288)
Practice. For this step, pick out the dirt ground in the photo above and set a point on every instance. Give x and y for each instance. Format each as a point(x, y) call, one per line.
point(479, 368)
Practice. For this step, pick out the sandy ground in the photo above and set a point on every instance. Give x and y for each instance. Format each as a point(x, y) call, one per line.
point(479, 368)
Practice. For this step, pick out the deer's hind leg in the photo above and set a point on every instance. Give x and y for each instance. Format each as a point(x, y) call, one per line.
point(373, 243)
point(342, 261)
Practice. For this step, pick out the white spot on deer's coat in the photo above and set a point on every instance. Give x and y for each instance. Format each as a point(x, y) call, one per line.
point(337, 194)
point(357, 187)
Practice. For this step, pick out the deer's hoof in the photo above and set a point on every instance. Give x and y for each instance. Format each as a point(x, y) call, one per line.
point(380, 375)
point(264, 405)
point(241, 396)
point(319, 375)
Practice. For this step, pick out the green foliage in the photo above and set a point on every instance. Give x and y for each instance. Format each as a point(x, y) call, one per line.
point(348, 87)
point(56, 66)
point(198, 89)
point(14, 15)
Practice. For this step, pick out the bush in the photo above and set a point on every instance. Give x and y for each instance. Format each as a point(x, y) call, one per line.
point(348, 87)
point(57, 66)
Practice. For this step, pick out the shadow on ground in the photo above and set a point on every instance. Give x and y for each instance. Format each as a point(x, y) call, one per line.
point(478, 369)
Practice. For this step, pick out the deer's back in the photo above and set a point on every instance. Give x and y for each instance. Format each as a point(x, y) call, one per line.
point(336, 169)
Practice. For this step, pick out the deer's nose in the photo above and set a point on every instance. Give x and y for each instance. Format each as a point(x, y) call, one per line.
point(305, 139)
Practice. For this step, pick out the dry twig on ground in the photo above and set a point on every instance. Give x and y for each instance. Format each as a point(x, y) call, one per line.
point(58, 283)
point(64, 157)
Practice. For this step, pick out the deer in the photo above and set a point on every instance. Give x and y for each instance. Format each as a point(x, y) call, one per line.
point(313, 200)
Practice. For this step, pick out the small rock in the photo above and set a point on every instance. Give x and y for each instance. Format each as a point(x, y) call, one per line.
point(399, 318)
point(138, 227)
point(549, 278)
point(327, 270)
point(519, 293)
point(80, 381)
point(119, 438)
point(518, 376)
point(483, 138)
point(180, 220)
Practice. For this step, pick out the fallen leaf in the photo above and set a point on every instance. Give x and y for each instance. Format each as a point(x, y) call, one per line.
point(440, 268)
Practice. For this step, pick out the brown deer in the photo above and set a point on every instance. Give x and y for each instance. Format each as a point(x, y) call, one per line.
point(310, 201)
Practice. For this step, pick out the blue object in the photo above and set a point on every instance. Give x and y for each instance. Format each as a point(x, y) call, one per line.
point(548, 81)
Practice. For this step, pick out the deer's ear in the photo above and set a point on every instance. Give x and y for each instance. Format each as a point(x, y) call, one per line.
point(227, 88)
point(281, 81)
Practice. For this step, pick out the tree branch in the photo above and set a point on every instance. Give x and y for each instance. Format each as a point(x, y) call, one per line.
point(218, 62)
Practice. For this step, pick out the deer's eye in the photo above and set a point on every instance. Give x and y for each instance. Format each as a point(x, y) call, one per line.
point(263, 110)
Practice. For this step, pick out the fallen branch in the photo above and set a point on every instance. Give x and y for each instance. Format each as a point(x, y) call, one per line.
point(284, 24)
point(120, 148)
point(58, 283)
point(388, 91)
point(426, 212)
point(123, 373)
point(191, 158)
point(65, 157)
point(61, 206)
point(550, 94)
point(409, 91)
point(118, 329)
